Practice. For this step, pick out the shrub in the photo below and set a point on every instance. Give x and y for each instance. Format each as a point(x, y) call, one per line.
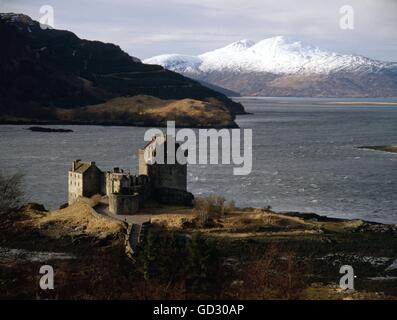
point(209, 208)
point(203, 267)
point(216, 204)
point(229, 207)
point(272, 276)
point(11, 194)
point(201, 210)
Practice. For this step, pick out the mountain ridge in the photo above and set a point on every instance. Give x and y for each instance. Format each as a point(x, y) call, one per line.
point(275, 62)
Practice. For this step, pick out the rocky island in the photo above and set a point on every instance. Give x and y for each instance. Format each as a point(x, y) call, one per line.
point(42, 129)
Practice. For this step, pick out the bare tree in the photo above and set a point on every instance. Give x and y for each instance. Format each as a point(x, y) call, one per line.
point(208, 208)
point(202, 210)
point(11, 194)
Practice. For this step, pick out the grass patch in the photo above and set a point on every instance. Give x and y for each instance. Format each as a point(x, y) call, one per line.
point(76, 219)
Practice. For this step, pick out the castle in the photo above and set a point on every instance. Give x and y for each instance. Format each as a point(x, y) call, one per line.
point(164, 183)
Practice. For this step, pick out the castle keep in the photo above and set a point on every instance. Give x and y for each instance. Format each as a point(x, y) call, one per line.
point(165, 183)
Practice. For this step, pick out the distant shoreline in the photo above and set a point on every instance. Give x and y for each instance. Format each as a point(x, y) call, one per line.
point(108, 124)
point(386, 148)
point(368, 103)
point(319, 98)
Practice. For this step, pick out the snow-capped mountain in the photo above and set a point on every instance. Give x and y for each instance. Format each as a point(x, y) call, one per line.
point(276, 55)
point(282, 62)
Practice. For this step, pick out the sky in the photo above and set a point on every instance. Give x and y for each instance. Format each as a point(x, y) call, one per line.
point(152, 27)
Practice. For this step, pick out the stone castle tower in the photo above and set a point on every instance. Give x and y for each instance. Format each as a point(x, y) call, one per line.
point(162, 175)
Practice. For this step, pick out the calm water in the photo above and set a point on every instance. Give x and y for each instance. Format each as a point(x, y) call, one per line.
point(304, 158)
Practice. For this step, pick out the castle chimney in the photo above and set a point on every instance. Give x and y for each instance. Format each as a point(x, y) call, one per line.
point(74, 164)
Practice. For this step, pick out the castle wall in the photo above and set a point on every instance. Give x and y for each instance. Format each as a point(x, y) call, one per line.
point(123, 204)
point(124, 183)
point(75, 186)
point(103, 183)
point(142, 166)
point(92, 181)
point(83, 184)
point(173, 196)
point(173, 176)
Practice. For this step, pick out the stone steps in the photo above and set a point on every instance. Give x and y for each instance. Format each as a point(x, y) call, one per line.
point(135, 235)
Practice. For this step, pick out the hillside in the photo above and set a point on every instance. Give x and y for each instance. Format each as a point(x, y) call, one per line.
point(43, 69)
point(247, 253)
point(282, 66)
point(150, 111)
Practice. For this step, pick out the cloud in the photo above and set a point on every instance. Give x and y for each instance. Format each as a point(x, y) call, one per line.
point(150, 27)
